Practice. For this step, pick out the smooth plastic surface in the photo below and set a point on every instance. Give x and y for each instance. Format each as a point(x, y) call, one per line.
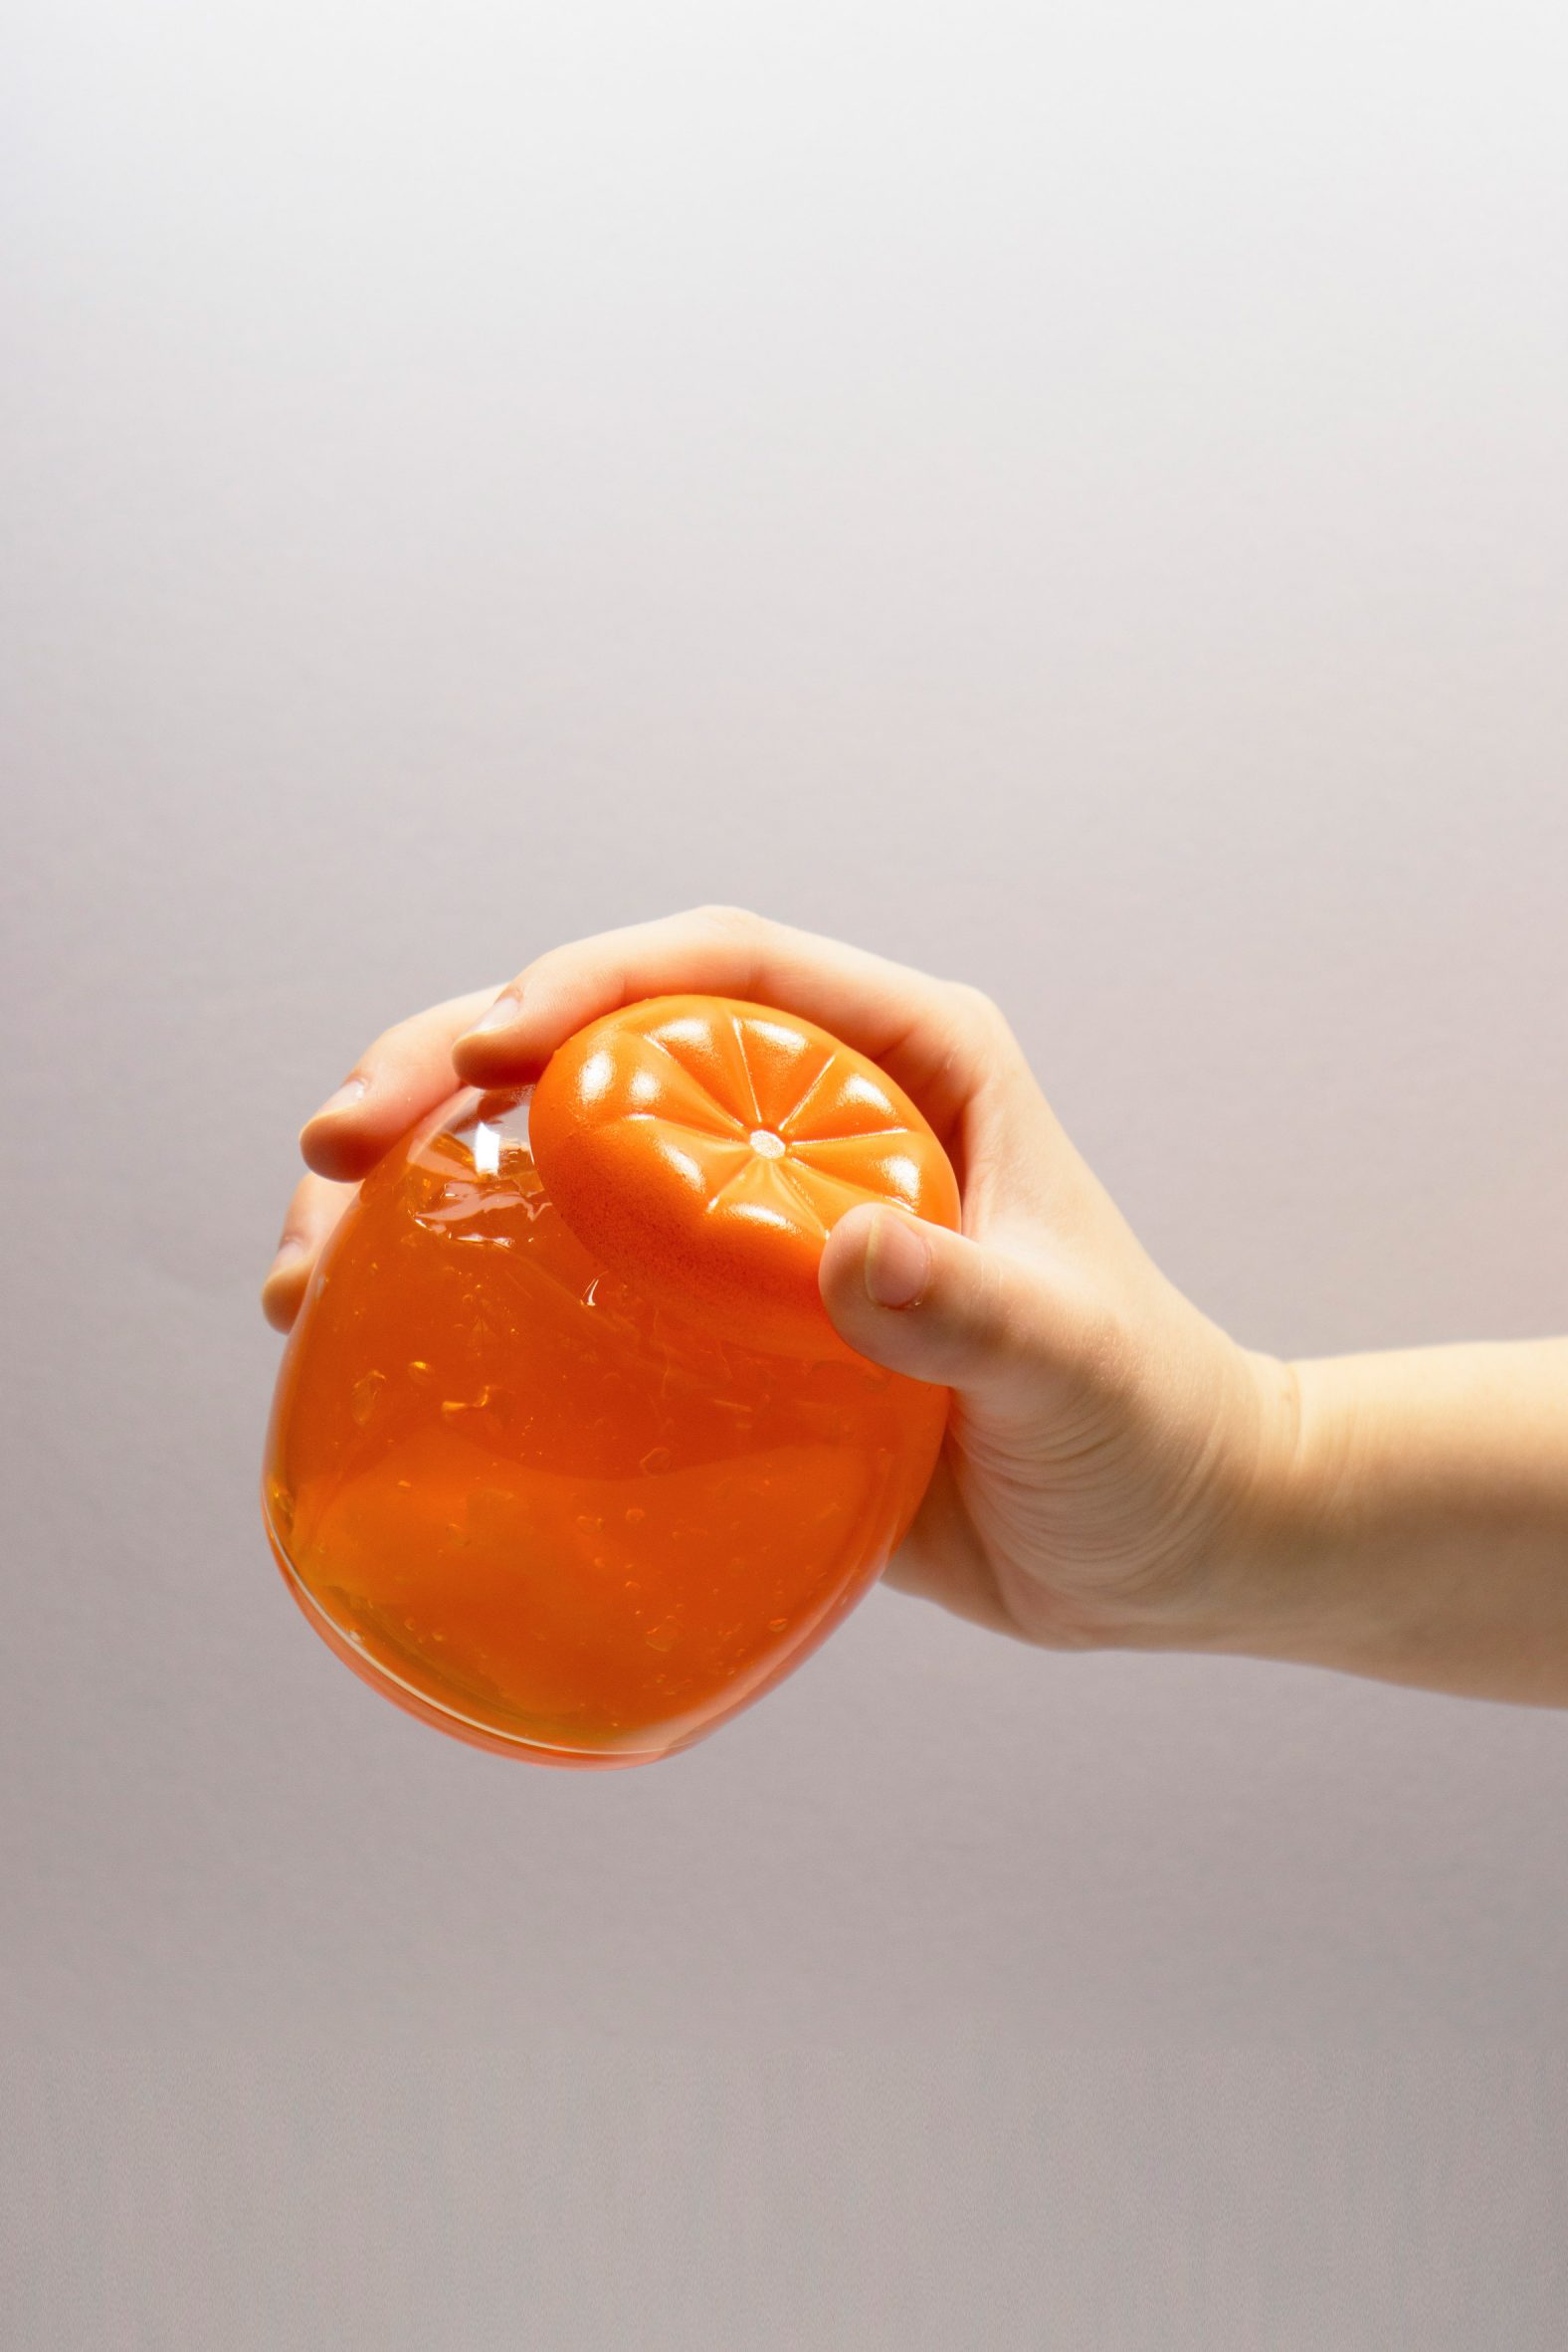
point(706, 1146)
point(537, 1504)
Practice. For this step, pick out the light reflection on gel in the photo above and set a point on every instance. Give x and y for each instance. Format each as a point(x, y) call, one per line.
point(540, 1511)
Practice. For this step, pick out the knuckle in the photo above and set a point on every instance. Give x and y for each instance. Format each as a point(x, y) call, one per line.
point(731, 923)
point(977, 1008)
point(994, 1310)
point(407, 1031)
point(1033, 1319)
point(1021, 1318)
point(998, 1319)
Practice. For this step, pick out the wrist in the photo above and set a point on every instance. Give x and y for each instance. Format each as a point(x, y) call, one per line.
point(1403, 1515)
point(1255, 1595)
point(1413, 1521)
point(1233, 1570)
point(1291, 1592)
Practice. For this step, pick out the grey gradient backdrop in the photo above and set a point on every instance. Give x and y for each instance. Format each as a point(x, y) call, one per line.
point(1076, 499)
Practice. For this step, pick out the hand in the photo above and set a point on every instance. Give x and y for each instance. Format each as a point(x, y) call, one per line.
point(1108, 1446)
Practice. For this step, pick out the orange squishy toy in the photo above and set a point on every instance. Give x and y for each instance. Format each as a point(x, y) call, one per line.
point(566, 1456)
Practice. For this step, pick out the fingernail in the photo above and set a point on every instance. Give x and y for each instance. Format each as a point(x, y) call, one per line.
point(347, 1095)
point(503, 1012)
point(898, 1261)
point(288, 1249)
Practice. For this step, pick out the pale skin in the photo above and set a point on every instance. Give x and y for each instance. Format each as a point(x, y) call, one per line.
point(1118, 1471)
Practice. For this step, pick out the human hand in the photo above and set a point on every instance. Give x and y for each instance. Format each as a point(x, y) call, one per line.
point(1107, 1444)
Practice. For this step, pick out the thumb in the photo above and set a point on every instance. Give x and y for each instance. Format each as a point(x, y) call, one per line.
point(932, 1304)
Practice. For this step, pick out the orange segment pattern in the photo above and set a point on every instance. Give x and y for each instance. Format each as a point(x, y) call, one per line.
point(706, 1147)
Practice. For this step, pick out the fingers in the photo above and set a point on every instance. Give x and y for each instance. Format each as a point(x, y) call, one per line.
point(936, 1039)
point(942, 1307)
point(406, 1072)
point(314, 1208)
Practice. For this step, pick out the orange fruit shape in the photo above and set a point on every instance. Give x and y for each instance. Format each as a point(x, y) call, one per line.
point(704, 1147)
point(542, 1510)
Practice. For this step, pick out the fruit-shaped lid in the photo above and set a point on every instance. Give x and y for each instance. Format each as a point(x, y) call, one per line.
point(704, 1148)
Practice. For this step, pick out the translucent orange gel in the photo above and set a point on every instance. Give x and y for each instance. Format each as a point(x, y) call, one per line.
point(542, 1511)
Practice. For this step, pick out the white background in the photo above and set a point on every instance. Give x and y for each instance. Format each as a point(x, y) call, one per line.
point(1076, 500)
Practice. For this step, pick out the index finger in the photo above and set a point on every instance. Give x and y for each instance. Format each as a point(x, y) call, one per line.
point(924, 1032)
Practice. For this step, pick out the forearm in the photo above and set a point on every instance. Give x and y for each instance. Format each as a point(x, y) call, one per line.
point(1414, 1521)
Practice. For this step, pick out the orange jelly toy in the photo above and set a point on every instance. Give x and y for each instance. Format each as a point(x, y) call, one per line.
point(566, 1456)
